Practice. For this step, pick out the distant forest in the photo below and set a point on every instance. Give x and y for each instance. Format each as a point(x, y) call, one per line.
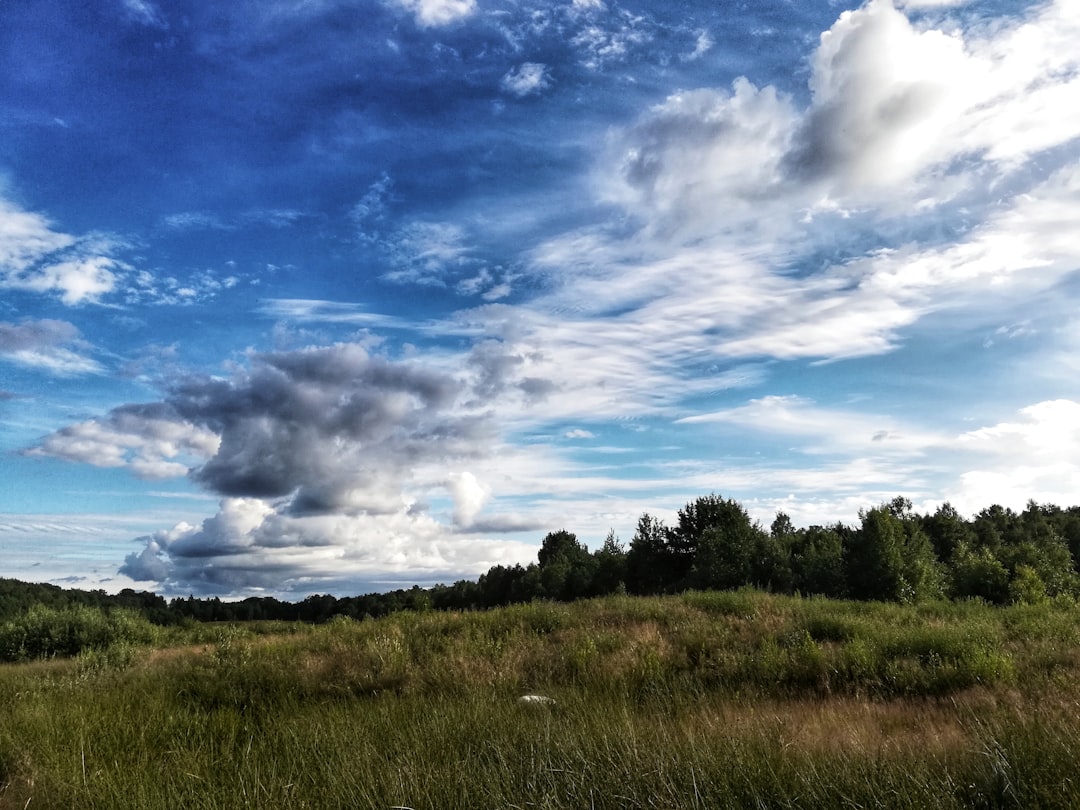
point(893, 554)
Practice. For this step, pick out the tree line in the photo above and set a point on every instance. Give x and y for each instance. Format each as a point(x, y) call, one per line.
point(892, 554)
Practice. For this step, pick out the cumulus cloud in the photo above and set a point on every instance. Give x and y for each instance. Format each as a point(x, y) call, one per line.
point(332, 427)
point(1033, 455)
point(51, 345)
point(248, 547)
point(526, 79)
point(469, 495)
point(722, 269)
point(883, 95)
point(894, 108)
point(705, 149)
point(153, 441)
point(322, 457)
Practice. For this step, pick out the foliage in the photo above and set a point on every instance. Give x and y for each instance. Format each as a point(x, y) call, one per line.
point(45, 632)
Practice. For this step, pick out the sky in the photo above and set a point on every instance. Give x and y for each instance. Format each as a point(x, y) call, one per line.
point(337, 296)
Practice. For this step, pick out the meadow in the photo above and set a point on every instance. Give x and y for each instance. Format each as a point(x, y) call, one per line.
point(707, 699)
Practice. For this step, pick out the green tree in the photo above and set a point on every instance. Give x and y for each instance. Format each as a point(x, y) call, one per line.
point(651, 564)
point(976, 572)
point(729, 549)
point(818, 562)
point(874, 561)
point(566, 567)
point(1027, 587)
point(947, 531)
point(609, 567)
point(891, 558)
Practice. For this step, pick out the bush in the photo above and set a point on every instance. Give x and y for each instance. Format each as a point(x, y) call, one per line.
point(47, 632)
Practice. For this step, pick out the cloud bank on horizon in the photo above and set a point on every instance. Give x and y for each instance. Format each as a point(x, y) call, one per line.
point(401, 285)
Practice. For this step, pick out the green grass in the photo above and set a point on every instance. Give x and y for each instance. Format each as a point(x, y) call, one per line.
point(705, 700)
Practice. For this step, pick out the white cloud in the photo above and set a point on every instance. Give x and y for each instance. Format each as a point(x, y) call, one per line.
point(930, 3)
point(35, 257)
point(1034, 457)
point(610, 37)
point(431, 13)
point(54, 346)
point(194, 221)
point(25, 237)
point(469, 495)
point(883, 97)
point(704, 151)
point(702, 45)
point(370, 212)
point(891, 101)
point(826, 430)
point(316, 311)
point(77, 280)
point(149, 440)
point(145, 13)
point(898, 116)
point(526, 79)
point(1049, 431)
point(248, 546)
point(428, 252)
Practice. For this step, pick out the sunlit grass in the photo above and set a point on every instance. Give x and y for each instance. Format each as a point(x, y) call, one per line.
point(706, 700)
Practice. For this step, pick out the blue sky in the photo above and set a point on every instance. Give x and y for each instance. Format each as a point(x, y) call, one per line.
point(341, 295)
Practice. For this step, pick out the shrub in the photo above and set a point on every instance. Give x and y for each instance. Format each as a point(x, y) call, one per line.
point(47, 632)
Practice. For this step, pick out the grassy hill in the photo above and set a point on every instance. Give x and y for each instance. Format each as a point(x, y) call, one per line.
point(724, 699)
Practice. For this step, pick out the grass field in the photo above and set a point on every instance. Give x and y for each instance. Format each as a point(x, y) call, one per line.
point(704, 700)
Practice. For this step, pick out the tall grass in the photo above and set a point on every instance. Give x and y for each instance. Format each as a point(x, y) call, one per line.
point(707, 700)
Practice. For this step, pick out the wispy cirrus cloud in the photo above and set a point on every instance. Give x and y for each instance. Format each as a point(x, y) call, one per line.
point(338, 312)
